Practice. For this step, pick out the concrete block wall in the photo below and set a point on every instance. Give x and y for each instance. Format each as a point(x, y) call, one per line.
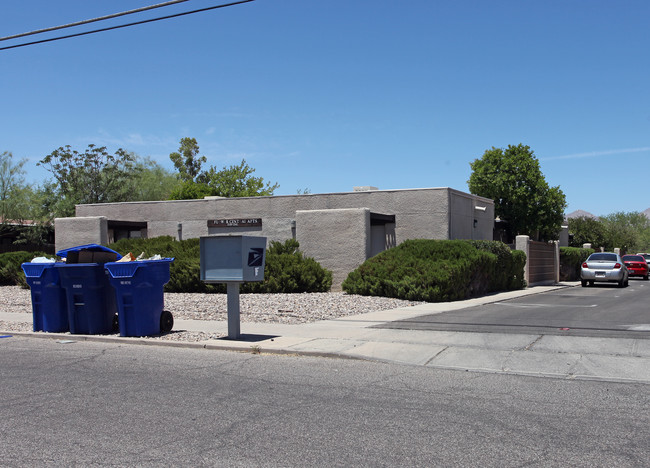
point(334, 233)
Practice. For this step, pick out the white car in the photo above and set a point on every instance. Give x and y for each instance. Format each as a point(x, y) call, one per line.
point(604, 267)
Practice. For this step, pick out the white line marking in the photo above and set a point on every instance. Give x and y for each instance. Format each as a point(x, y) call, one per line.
point(527, 306)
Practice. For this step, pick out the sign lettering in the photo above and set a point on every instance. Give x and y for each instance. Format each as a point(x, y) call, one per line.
point(238, 223)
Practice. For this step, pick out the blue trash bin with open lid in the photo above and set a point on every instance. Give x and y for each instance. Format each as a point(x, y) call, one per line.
point(91, 303)
point(49, 306)
point(140, 296)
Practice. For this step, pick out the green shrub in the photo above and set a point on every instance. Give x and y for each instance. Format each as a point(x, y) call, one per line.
point(438, 270)
point(11, 274)
point(425, 270)
point(509, 271)
point(166, 246)
point(571, 259)
point(518, 280)
point(287, 270)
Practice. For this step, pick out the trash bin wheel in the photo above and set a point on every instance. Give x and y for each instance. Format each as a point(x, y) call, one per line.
point(166, 321)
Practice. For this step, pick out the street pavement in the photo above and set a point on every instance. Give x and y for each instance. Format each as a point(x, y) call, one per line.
point(360, 337)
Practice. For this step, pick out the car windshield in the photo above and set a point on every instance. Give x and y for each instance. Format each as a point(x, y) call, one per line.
point(633, 258)
point(603, 256)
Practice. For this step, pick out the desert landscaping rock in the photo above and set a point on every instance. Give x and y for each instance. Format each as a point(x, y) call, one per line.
point(260, 308)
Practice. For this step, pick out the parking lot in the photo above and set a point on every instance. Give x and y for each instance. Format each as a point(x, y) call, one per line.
point(603, 310)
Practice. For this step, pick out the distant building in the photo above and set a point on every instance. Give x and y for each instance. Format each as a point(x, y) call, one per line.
point(13, 230)
point(339, 230)
point(581, 214)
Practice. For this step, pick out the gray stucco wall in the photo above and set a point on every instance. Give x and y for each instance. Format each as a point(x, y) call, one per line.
point(419, 213)
point(338, 239)
point(71, 232)
point(470, 217)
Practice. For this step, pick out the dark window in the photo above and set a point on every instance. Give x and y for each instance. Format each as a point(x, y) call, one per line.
point(633, 258)
point(603, 256)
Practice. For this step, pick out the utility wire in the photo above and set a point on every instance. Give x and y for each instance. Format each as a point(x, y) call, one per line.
point(93, 20)
point(125, 25)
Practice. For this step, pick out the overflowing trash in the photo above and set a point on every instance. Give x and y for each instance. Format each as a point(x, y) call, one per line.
point(129, 257)
point(95, 290)
point(43, 260)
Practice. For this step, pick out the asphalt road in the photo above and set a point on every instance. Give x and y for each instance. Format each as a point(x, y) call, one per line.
point(76, 403)
point(603, 310)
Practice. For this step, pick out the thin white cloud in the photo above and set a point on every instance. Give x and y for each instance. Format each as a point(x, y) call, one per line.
point(594, 154)
point(130, 141)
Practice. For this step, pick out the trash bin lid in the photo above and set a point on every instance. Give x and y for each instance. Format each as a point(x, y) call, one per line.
point(91, 247)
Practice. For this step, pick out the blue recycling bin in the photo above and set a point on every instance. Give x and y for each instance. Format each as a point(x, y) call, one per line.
point(140, 296)
point(90, 298)
point(49, 305)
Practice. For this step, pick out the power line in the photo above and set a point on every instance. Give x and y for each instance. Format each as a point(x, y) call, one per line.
point(125, 25)
point(93, 20)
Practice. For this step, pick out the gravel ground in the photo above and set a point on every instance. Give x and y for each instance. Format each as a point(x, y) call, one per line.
point(264, 308)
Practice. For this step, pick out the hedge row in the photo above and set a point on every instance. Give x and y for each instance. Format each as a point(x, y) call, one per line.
point(11, 274)
point(571, 259)
point(286, 269)
point(439, 270)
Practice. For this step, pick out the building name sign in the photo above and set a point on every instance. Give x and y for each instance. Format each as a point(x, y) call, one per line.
point(237, 223)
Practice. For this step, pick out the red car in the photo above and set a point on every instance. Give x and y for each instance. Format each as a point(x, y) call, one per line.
point(636, 265)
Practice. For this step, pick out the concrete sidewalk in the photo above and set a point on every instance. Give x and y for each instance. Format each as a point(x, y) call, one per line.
point(569, 357)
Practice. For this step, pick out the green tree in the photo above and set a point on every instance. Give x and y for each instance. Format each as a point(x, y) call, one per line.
point(233, 181)
point(626, 231)
point(191, 191)
point(151, 181)
point(587, 230)
point(522, 197)
point(187, 160)
point(237, 181)
point(644, 241)
point(91, 176)
point(19, 203)
point(14, 193)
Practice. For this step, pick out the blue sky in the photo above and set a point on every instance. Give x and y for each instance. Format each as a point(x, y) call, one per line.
point(328, 95)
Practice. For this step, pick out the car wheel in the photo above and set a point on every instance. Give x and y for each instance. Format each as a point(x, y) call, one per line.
point(621, 284)
point(591, 283)
point(584, 283)
point(646, 277)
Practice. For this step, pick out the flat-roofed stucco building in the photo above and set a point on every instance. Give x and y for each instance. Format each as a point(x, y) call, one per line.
point(339, 230)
